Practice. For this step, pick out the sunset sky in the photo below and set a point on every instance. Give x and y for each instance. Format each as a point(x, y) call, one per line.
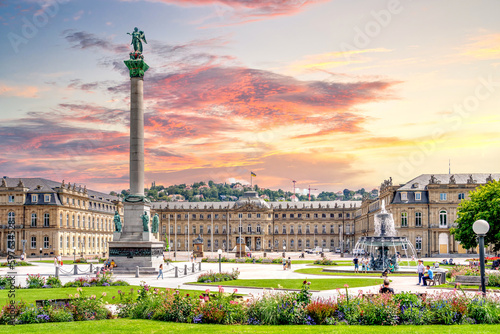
point(333, 94)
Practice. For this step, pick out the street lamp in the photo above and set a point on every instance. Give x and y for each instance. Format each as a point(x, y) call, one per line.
point(220, 254)
point(74, 254)
point(481, 227)
point(40, 254)
point(284, 249)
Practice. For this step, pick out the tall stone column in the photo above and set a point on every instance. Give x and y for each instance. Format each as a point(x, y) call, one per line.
point(137, 136)
point(135, 245)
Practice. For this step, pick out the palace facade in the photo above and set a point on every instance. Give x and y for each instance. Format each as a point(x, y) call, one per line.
point(65, 219)
point(52, 218)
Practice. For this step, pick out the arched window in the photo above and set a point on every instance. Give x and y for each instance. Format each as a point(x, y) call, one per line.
point(46, 219)
point(443, 218)
point(33, 220)
point(404, 219)
point(315, 243)
point(292, 243)
point(308, 243)
point(78, 221)
point(323, 243)
point(299, 243)
point(61, 219)
point(73, 220)
point(249, 228)
point(258, 228)
point(332, 244)
point(284, 243)
point(276, 244)
point(67, 219)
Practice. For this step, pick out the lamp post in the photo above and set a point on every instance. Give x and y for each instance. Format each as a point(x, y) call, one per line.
point(481, 227)
point(220, 254)
point(40, 254)
point(284, 250)
point(74, 253)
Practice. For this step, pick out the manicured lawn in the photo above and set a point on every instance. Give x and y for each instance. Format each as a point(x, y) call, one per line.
point(316, 284)
point(120, 326)
point(31, 295)
point(319, 271)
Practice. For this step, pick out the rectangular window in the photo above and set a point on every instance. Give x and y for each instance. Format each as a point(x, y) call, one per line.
point(283, 215)
point(308, 215)
point(418, 219)
point(11, 198)
point(332, 229)
point(442, 197)
point(33, 220)
point(418, 243)
point(240, 215)
point(276, 231)
point(307, 229)
point(34, 198)
point(323, 215)
point(292, 215)
point(249, 228)
point(291, 229)
point(404, 219)
point(179, 216)
point(418, 196)
point(249, 215)
point(33, 242)
point(45, 242)
point(201, 229)
point(284, 229)
point(299, 215)
point(46, 198)
point(461, 196)
point(276, 216)
point(315, 215)
point(223, 229)
point(340, 215)
point(194, 229)
point(332, 215)
point(179, 229)
point(164, 229)
point(404, 196)
point(300, 229)
point(201, 216)
point(46, 220)
point(216, 229)
point(186, 216)
point(216, 216)
point(323, 229)
point(316, 229)
point(258, 215)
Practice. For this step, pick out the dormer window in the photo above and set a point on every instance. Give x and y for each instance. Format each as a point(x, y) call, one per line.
point(46, 198)
point(404, 196)
point(418, 196)
point(414, 185)
point(34, 198)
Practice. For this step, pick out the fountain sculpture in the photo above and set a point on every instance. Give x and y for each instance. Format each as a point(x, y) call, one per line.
point(378, 247)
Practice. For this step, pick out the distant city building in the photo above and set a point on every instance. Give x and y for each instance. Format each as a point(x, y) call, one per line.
point(58, 218)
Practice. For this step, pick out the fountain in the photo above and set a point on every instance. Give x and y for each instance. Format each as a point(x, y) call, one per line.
point(378, 247)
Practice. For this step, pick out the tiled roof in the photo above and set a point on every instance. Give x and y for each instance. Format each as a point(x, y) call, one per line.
point(230, 205)
point(421, 182)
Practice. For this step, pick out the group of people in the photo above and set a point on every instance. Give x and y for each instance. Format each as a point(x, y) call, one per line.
point(423, 274)
point(365, 264)
point(58, 261)
point(287, 263)
point(109, 264)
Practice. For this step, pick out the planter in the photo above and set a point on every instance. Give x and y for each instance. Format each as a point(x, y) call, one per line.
point(470, 280)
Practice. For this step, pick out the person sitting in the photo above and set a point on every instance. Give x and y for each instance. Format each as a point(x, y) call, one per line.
point(385, 287)
point(429, 276)
point(495, 264)
point(451, 262)
point(391, 267)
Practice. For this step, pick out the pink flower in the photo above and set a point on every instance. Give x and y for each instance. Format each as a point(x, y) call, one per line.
point(104, 294)
point(308, 283)
point(206, 299)
point(346, 285)
point(235, 290)
point(207, 290)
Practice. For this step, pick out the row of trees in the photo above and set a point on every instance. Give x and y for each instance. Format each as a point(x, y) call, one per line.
point(214, 192)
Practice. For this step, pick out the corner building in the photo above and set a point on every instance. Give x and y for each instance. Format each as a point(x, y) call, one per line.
point(58, 218)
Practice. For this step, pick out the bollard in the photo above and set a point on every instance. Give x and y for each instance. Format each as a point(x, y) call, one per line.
point(176, 273)
point(97, 270)
point(200, 265)
point(91, 268)
point(192, 269)
point(75, 269)
point(137, 271)
point(185, 269)
point(57, 271)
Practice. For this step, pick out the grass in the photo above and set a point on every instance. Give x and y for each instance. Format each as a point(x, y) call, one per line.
point(319, 271)
point(31, 295)
point(316, 284)
point(120, 326)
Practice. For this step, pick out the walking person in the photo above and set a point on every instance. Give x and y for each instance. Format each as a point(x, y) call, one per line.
point(160, 272)
point(367, 265)
point(420, 271)
point(356, 264)
point(363, 265)
point(284, 263)
point(289, 263)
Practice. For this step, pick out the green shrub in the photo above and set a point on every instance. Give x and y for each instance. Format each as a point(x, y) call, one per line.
point(218, 277)
point(494, 280)
point(53, 282)
point(325, 262)
point(35, 281)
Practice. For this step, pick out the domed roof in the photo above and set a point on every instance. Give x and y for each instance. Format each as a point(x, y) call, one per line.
point(251, 197)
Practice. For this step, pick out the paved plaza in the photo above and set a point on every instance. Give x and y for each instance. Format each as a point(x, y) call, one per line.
point(248, 271)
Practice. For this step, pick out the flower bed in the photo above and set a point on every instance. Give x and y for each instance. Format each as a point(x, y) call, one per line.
point(16, 264)
point(247, 260)
point(275, 308)
point(218, 277)
point(325, 262)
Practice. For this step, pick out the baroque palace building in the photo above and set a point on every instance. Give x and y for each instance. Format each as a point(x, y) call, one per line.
point(263, 226)
point(52, 218)
point(65, 219)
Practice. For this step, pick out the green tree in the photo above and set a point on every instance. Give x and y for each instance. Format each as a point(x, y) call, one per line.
point(484, 204)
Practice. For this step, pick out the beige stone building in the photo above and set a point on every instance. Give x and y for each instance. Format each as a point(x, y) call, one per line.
point(262, 226)
point(424, 210)
point(55, 218)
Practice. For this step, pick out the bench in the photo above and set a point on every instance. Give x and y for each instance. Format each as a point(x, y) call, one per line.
point(470, 280)
point(436, 280)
